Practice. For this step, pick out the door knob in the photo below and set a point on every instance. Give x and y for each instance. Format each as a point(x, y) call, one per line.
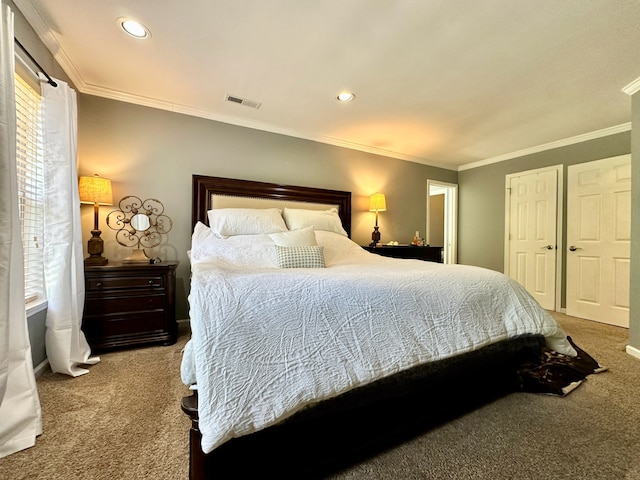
point(573, 248)
point(547, 247)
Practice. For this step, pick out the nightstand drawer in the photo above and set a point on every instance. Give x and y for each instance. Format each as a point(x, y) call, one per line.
point(105, 305)
point(124, 282)
point(119, 326)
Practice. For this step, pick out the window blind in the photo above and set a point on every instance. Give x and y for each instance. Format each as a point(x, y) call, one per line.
point(30, 167)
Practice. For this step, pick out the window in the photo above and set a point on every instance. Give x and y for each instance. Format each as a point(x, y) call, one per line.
point(30, 166)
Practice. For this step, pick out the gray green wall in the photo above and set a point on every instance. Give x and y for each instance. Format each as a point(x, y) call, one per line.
point(482, 196)
point(153, 153)
point(36, 324)
point(436, 220)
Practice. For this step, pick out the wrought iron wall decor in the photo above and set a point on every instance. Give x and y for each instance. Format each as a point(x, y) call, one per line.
point(139, 224)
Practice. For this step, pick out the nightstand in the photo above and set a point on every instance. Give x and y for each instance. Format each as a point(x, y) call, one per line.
point(129, 304)
point(426, 253)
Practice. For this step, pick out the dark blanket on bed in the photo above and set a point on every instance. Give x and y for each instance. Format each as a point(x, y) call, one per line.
point(555, 373)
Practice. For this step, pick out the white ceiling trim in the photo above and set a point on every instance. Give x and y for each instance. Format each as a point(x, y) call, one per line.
point(625, 127)
point(51, 42)
point(253, 124)
point(633, 87)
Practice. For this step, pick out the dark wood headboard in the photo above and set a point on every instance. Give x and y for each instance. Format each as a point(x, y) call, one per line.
point(204, 187)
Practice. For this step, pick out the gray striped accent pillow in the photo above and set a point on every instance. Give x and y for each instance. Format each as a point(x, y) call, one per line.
point(300, 257)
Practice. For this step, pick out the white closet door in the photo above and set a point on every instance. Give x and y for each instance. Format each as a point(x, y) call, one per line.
point(532, 233)
point(598, 240)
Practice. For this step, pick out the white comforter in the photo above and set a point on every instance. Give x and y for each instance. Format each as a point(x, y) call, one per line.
point(267, 342)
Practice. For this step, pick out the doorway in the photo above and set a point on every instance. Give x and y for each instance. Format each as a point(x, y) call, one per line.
point(442, 218)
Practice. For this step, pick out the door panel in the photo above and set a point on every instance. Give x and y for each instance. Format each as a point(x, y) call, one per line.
point(590, 217)
point(598, 237)
point(541, 274)
point(621, 290)
point(532, 227)
point(589, 279)
point(622, 216)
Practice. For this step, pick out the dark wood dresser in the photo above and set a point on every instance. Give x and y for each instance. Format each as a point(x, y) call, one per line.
point(129, 304)
point(427, 253)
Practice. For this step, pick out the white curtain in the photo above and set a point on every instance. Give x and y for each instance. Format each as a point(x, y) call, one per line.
point(67, 347)
point(20, 415)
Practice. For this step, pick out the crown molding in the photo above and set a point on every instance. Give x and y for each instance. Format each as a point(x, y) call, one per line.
point(633, 87)
point(625, 127)
point(48, 37)
point(253, 124)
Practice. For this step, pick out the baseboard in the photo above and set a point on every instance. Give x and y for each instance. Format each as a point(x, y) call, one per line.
point(633, 351)
point(40, 369)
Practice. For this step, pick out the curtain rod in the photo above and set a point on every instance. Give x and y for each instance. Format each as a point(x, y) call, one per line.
point(49, 79)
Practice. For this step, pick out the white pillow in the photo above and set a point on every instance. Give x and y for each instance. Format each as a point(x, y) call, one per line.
point(328, 220)
point(300, 257)
point(305, 237)
point(226, 222)
point(242, 251)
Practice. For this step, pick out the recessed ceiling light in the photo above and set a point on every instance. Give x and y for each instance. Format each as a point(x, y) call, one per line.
point(346, 96)
point(133, 28)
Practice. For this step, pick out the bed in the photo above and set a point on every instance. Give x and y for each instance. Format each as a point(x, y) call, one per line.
point(298, 372)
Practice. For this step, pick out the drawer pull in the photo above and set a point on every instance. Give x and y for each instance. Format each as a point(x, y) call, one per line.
point(99, 284)
point(150, 282)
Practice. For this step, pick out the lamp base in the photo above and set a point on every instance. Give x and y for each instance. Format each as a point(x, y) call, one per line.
point(137, 256)
point(96, 260)
point(95, 247)
point(375, 237)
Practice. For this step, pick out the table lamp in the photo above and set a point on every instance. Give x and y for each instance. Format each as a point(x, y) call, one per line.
point(97, 191)
point(377, 203)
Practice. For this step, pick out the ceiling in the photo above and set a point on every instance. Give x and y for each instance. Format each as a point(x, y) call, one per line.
point(439, 82)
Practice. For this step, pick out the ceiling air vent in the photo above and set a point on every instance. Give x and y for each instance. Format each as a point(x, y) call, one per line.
point(243, 101)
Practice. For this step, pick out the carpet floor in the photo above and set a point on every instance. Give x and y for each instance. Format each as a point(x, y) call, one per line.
point(123, 421)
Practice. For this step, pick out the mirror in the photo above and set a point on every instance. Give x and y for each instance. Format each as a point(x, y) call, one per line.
point(140, 222)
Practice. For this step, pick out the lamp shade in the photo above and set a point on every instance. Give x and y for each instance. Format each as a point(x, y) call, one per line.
point(377, 203)
point(95, 190)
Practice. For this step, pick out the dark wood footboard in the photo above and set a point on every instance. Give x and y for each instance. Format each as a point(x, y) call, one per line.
point(197, 458)
point(361, 423)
